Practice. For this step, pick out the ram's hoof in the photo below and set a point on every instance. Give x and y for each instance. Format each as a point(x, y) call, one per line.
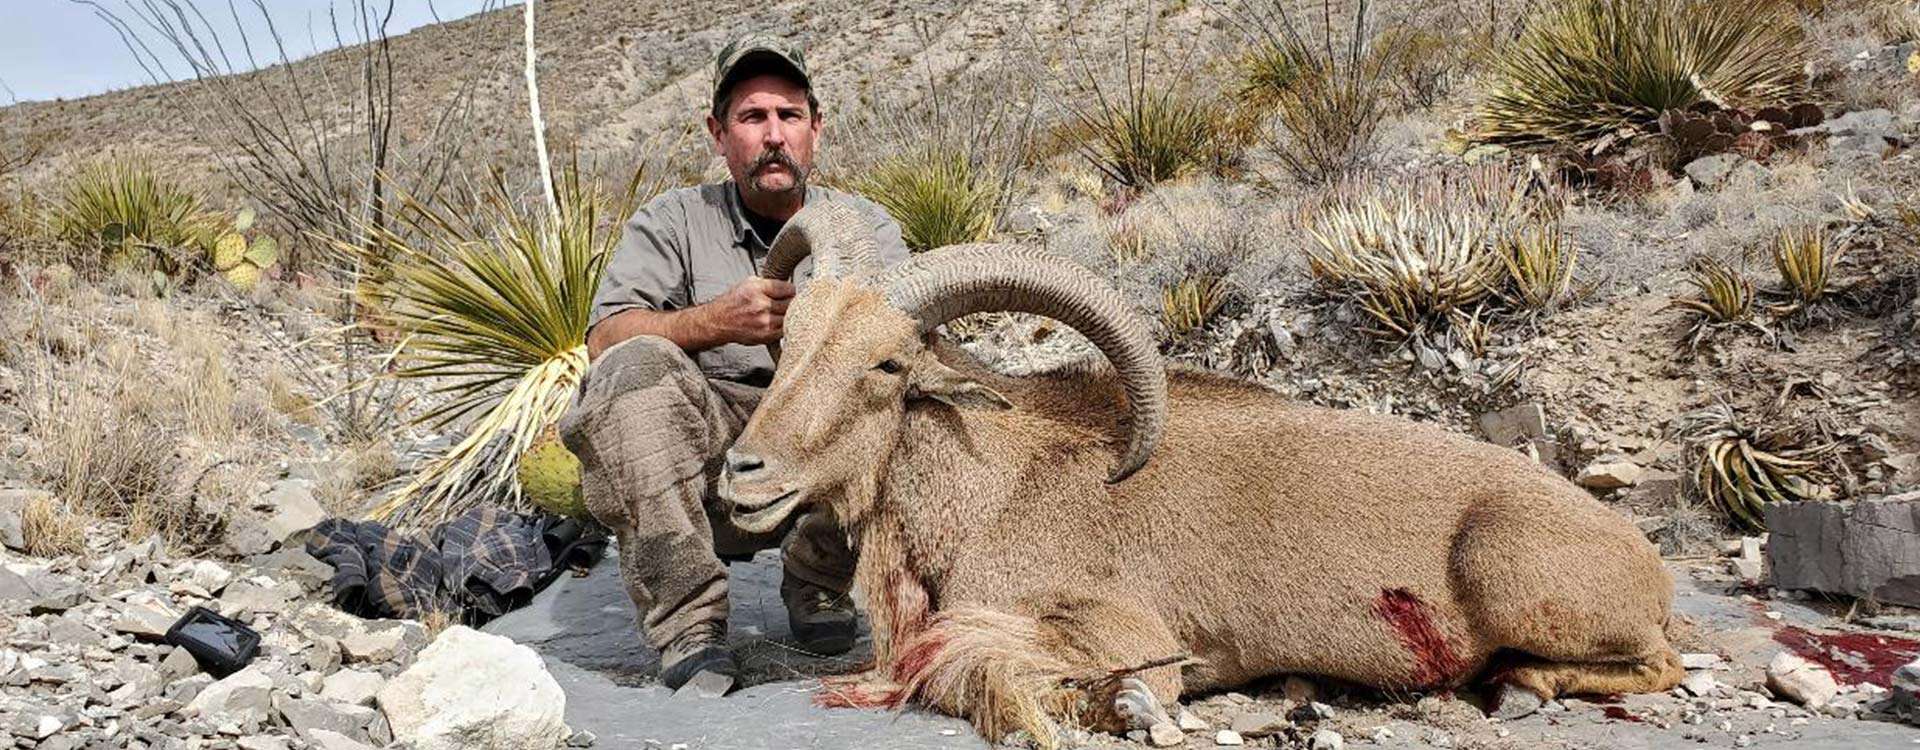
point(1514, 702)
point(1135, 703)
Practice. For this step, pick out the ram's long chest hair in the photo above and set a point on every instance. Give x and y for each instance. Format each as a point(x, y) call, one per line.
point(899, 604)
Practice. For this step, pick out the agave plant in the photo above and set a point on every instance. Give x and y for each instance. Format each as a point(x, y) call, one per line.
point(1724, 297)
point(1586, 68)
point(1804, 257)
point(1539, 265)
point(497, 308)
point(1742, 469)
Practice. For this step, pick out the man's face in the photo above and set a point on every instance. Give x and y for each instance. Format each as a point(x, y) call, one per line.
point(768, 135)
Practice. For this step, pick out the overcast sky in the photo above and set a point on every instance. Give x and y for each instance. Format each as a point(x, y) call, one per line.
point(61, 49)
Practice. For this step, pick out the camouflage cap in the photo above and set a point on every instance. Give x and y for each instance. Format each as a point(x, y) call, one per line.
point(751, 52)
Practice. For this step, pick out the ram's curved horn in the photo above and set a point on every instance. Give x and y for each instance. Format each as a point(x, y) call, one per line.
point(837, 237)
point(944, 284)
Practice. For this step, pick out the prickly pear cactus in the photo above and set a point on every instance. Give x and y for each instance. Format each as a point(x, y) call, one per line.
point(550, 476)
point(244, 263)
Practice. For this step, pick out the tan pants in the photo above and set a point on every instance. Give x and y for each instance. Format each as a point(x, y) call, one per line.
point(650, 430)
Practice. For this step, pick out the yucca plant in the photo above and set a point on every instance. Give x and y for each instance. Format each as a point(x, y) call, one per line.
point(497, 308)
point(1326, 100)
point(1741, 470)
point(1586, 68)
point(1724, 297)
point(938, 196)
point(1804, 256)
point(122, 211)
point(1539, 264)
point(1148, 130)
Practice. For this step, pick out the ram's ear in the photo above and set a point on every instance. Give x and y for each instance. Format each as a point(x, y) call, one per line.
point(932, 379)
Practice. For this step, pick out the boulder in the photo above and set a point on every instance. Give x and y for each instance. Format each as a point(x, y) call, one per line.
point(476, 690)
point(287, 509)
point(1865, 548)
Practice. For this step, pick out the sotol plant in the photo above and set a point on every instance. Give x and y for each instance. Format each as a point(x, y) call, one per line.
point(1586, 68)
point(497, 310)
point(122, 212)
point(937, 194)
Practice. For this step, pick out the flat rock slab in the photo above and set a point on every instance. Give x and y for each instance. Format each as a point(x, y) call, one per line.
point(1869, 548)
point(584, 628)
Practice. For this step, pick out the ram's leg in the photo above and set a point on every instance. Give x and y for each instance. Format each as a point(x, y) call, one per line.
point(1069, 661)
point(1522, 688)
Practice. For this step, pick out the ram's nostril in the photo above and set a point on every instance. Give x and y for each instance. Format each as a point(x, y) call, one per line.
point(739, 462)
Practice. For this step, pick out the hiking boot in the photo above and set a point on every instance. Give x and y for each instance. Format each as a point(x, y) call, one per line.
point(822, 620)
point(702, 648)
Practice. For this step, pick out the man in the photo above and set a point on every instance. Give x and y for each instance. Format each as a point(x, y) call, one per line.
point(677, 339)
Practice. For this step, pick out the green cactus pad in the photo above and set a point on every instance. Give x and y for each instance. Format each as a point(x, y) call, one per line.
point(244, 276)
point(229, 251)
point(264, 252)
point(243, 221)
point(550, 477)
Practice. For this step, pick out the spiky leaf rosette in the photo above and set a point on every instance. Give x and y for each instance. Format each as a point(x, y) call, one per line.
point(1586, 68)
point(497, 309)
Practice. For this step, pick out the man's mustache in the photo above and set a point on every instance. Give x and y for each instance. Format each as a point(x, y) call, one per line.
point(774, 157)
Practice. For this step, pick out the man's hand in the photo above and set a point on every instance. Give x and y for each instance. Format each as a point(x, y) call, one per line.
point(752, 312)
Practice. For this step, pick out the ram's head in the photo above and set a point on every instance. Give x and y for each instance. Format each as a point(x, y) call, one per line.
point(855, 360)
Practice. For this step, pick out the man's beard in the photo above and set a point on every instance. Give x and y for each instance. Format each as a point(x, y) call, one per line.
point(798, 173)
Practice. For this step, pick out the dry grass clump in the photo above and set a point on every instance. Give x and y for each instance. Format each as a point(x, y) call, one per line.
point(122, 212)
point(1425, 257)
point(361, 469)
point(1804, 256)
point(1147, 133)
point(51, 529)
point(1586, 68)
point(943, 166)
point(1741, 468)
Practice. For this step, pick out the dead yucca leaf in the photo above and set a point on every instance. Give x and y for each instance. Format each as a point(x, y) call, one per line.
point(1804, 256)
point(1187, 304)
point(1741, 470)
point(1539, 263)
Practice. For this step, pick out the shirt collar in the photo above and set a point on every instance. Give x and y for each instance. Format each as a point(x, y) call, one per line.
point(737, 213)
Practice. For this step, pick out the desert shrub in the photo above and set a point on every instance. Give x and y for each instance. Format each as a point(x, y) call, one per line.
point(123, 212)
point(1325, 99)
point(1185, 253)
point(1423, 257)
point(1585, 68)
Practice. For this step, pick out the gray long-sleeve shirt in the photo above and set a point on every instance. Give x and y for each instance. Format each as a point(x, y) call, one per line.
point(688, 246)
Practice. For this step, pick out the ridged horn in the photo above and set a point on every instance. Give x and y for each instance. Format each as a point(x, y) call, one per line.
point(839, 240)
point(944, 284)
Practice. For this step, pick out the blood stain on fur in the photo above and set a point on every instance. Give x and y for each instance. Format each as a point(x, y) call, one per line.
point(1412, 621)
point(1852, 657)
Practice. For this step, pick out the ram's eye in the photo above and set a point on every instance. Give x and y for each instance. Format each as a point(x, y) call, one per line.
point(888, 366)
